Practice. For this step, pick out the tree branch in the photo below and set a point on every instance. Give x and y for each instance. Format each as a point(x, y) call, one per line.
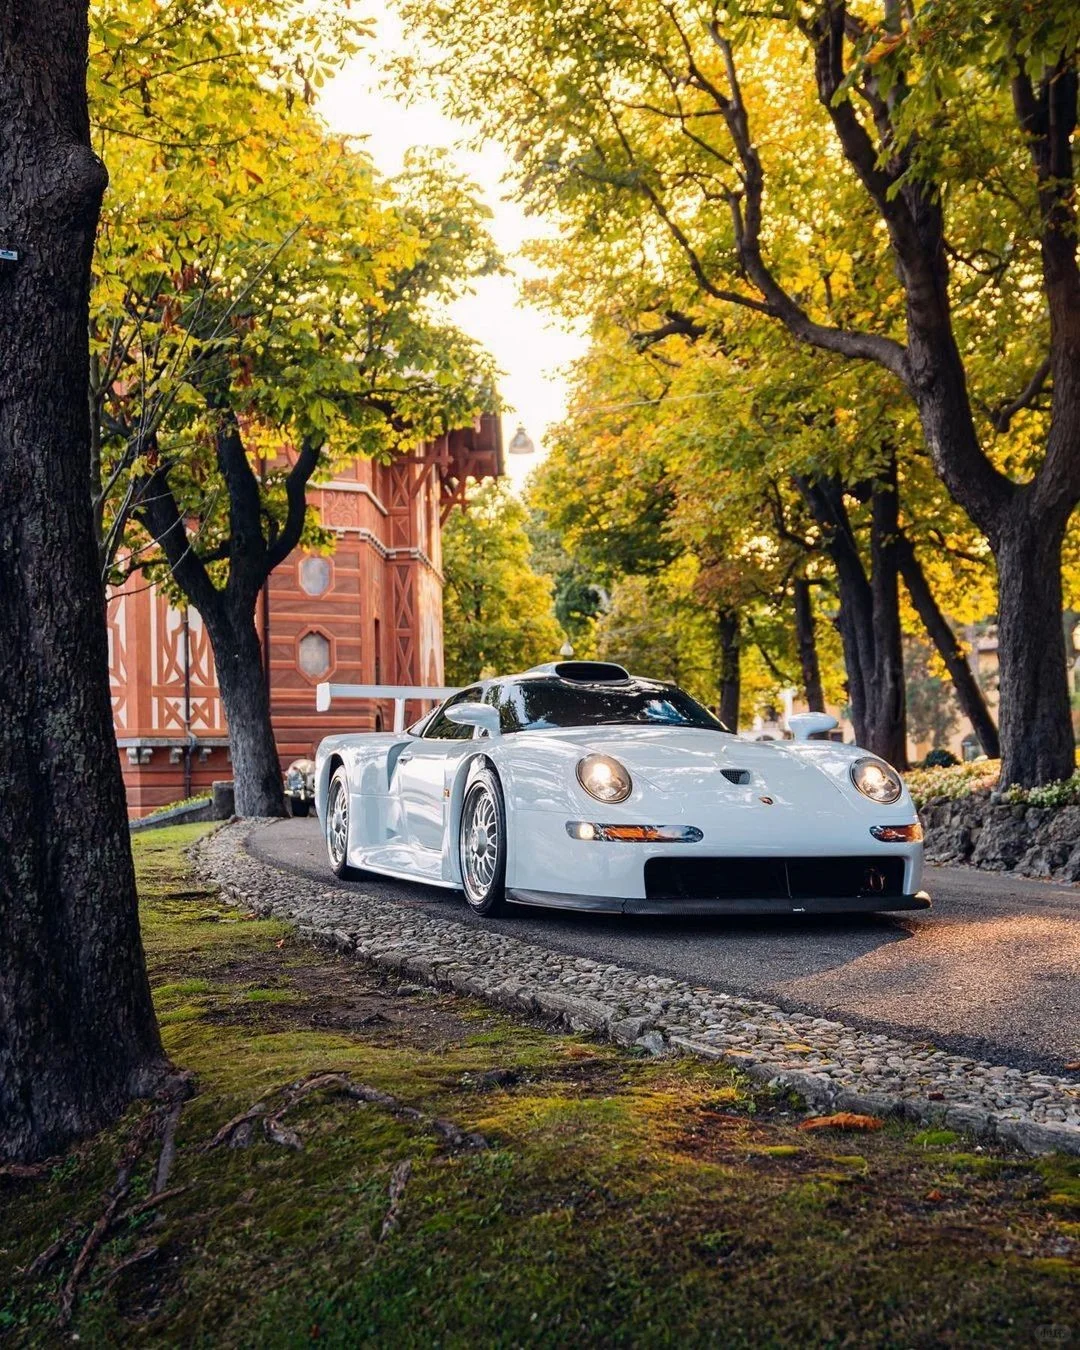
point(160, 514)
point(296, 494)
point(1001, 417)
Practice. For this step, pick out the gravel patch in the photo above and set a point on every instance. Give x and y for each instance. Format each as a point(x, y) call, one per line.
point(831, 1065)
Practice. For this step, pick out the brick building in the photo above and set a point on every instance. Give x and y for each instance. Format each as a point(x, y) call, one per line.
point(370, 612)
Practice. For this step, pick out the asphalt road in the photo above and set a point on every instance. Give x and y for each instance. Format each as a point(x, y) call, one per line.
point(992, 971)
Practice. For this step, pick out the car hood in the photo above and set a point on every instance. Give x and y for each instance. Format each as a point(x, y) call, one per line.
point(691, 768)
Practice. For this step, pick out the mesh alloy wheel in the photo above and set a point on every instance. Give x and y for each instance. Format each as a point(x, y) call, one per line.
point(337, 823)
point(482, 844)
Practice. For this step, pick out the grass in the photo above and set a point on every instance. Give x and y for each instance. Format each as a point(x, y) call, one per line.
point(622, 1201)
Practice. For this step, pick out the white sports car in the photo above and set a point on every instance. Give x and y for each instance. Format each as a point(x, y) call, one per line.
point(579, 786)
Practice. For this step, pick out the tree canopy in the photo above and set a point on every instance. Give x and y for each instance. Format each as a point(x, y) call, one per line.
point(887, 187)
point(498, 614)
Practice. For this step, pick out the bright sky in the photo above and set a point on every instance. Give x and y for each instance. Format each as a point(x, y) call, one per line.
point(528, 345)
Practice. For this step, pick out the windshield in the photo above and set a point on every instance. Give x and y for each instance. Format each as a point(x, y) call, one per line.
point(534, 705)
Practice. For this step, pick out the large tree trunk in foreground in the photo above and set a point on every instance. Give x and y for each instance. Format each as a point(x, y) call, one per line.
point(730, 668)
point(968, 694)
point(78, 1038)
point(807, 642)
point(1037, 744)
point(257, 777)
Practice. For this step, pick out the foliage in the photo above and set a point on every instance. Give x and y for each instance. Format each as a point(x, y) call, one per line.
point(497, 612)
point(954, 782)
point(653, 627)
point(647, 482)
point(254, 273)
point(864, 213)
point(1066, 792)
point(931, 707)
point(939, 758)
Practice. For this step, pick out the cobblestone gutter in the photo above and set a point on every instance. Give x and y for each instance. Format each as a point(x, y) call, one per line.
point(831, 1065)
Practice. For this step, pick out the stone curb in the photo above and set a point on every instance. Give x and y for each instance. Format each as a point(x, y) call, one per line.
point(838, 1067)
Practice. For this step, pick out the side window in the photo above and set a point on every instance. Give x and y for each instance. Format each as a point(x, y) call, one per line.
point(440, 728)
point(501, 696)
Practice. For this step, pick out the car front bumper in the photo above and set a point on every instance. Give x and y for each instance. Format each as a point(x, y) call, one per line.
point(721, 908)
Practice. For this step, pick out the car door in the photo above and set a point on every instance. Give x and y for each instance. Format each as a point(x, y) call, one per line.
point(420, 776)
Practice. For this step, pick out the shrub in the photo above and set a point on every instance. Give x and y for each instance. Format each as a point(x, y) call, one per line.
point(940, 758)
point(953, 781)
point(1066, 792)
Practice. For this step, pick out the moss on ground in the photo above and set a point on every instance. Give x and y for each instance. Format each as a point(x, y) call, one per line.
point(621, 1201)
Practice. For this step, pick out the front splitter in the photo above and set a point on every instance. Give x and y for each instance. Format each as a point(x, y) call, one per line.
point(718, 908)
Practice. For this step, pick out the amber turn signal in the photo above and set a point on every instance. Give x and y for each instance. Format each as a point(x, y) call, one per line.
point(634, 834)
point(897, 834)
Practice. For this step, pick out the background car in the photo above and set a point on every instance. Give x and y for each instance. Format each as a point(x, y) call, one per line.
point(300, 786)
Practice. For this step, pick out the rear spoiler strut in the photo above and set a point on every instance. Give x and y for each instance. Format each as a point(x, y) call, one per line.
point(400, 693)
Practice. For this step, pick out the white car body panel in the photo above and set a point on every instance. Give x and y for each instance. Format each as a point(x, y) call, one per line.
point(405, 795)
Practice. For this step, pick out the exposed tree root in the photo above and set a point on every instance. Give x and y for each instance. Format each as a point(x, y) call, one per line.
point(341, 1083)
point(143, 1254)
point(399, 1179)
point(162, 1120)
point(27, 1171)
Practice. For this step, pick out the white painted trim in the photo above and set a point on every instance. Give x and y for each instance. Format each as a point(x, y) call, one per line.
point(361, 488)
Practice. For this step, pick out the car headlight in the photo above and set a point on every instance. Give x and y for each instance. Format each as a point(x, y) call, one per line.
point(876, 780)
point(604, 778)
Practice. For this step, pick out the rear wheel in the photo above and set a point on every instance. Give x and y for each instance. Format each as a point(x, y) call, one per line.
point(337, 823)
point(482, 844)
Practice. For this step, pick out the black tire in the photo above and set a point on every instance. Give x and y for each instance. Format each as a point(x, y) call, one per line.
point(299, 808)
point(482, 844)
point(336, 829)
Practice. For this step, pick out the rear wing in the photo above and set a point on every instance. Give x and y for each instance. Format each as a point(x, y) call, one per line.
point(400, 693)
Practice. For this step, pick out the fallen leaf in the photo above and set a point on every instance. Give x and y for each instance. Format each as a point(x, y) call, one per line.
point(798, 1047)
point(578, 1052)
point(280, 943)
point(935, 1195)
point(842, 1120)
point(1073, 1065)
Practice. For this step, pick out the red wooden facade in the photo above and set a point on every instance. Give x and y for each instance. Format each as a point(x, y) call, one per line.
point(369, 612)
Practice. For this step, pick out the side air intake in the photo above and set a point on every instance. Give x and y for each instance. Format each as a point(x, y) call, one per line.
point(740, 777)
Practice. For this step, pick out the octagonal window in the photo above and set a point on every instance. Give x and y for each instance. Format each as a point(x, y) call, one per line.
point(315, 575)
point(313, 653)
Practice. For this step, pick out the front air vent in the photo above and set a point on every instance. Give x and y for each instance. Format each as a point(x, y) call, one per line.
point(740, 777)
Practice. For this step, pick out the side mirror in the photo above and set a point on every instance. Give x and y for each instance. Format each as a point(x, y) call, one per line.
point(804, 725)
point(481, 715)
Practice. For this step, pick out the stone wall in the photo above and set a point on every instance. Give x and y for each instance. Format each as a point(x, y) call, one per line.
point(1000, 837)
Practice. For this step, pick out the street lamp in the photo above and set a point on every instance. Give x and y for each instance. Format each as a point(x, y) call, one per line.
point(521, 443)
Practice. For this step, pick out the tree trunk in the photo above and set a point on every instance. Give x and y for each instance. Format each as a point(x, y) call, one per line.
point(730, 671)
point(869, 619)
point(807, 642)
point(78, 1040)
point(1037, 743)
point(887, 708)
point(257, 778)
point(968, 694)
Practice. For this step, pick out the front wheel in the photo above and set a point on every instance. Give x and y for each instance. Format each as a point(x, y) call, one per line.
point(482, 844)
point(337, 823)
point(299, 807)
